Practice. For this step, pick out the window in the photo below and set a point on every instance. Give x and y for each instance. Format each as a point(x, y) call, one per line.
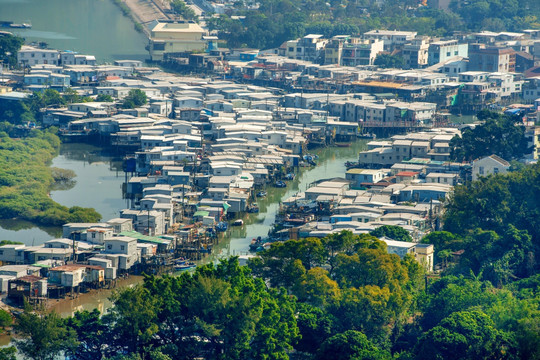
point(122, 247)
point(481, 170)
point(1, 252)
point(495, 170)
point(109, 247)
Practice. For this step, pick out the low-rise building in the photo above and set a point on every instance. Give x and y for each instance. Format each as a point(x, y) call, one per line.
point(168, 38)
point(488, 165)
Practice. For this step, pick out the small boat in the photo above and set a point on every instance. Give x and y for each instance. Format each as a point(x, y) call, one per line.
point(289, 176)
point(343, 144)
point(238, 222)
point(20, 26)
point(280, 184)
point(222, 226)
point(253, 208)
point(261, 194)
point(185, 266)
point(310, 159)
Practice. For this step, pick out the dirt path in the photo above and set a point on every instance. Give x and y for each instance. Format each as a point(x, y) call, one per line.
point(146, 11)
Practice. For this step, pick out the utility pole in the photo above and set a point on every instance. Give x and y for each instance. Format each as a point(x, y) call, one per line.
point(74, 250)
point(148, 221)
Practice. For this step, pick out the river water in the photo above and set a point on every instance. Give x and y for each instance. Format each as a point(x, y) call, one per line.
point(98, 185)
point(330, 164)
point(99, 180)
point(92, 27)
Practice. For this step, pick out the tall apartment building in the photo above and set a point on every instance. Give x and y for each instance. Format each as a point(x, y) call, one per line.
point(491, 59)
point(361, 52)
point(415, 53)
point(441, 51)
point(309, 48)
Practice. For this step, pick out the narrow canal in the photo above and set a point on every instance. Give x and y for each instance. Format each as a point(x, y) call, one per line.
point(330, 164)
point(99, 185)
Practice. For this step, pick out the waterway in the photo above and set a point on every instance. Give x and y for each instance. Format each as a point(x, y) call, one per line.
point(92, 27)
point(331, 164)
point(98, 185)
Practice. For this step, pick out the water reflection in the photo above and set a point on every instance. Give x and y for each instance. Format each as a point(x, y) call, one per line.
point(98, 184)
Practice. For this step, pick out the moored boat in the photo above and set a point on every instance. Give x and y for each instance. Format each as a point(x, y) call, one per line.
point(253, 208)
point(290, 176)
point(222, 226)
point(184, 266)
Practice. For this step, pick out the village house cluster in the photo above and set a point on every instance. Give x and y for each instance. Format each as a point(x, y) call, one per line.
point(89, 255)
point(202, 149)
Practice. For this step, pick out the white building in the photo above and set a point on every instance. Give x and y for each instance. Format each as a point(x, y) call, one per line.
point(489, 165)
point(29, 56)
point(392, 38)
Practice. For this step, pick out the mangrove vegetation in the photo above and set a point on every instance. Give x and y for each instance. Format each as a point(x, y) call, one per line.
point(26, 179)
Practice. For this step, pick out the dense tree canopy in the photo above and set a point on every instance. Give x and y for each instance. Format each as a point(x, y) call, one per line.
point(500, 135)
point(44, 336)
point(393, 232)
point(135, 97)
point(389, 61)
point(223, 312)
point(276, 21)
point(507, 208)
point(350, 345)
point(466, 335)
point(9, 47)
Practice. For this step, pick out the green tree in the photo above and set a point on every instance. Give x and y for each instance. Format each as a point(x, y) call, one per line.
point(501, 135)
point(317, 288)
point(284, 264)
point(71, 96)
point(219, 312)
point(42, 336)
point(389, 61)
point(394, 232)
point(466, 335)
point(9, 47)
point(350, 345)
point(315, 326)
point(135, 98)
point(443, 241)
point(5, 319)
point(104, 98)
point(370, 267)
point(133, 319)
point(8, 353)
point(496, 203)
point(92, 335)
point(180, 8)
